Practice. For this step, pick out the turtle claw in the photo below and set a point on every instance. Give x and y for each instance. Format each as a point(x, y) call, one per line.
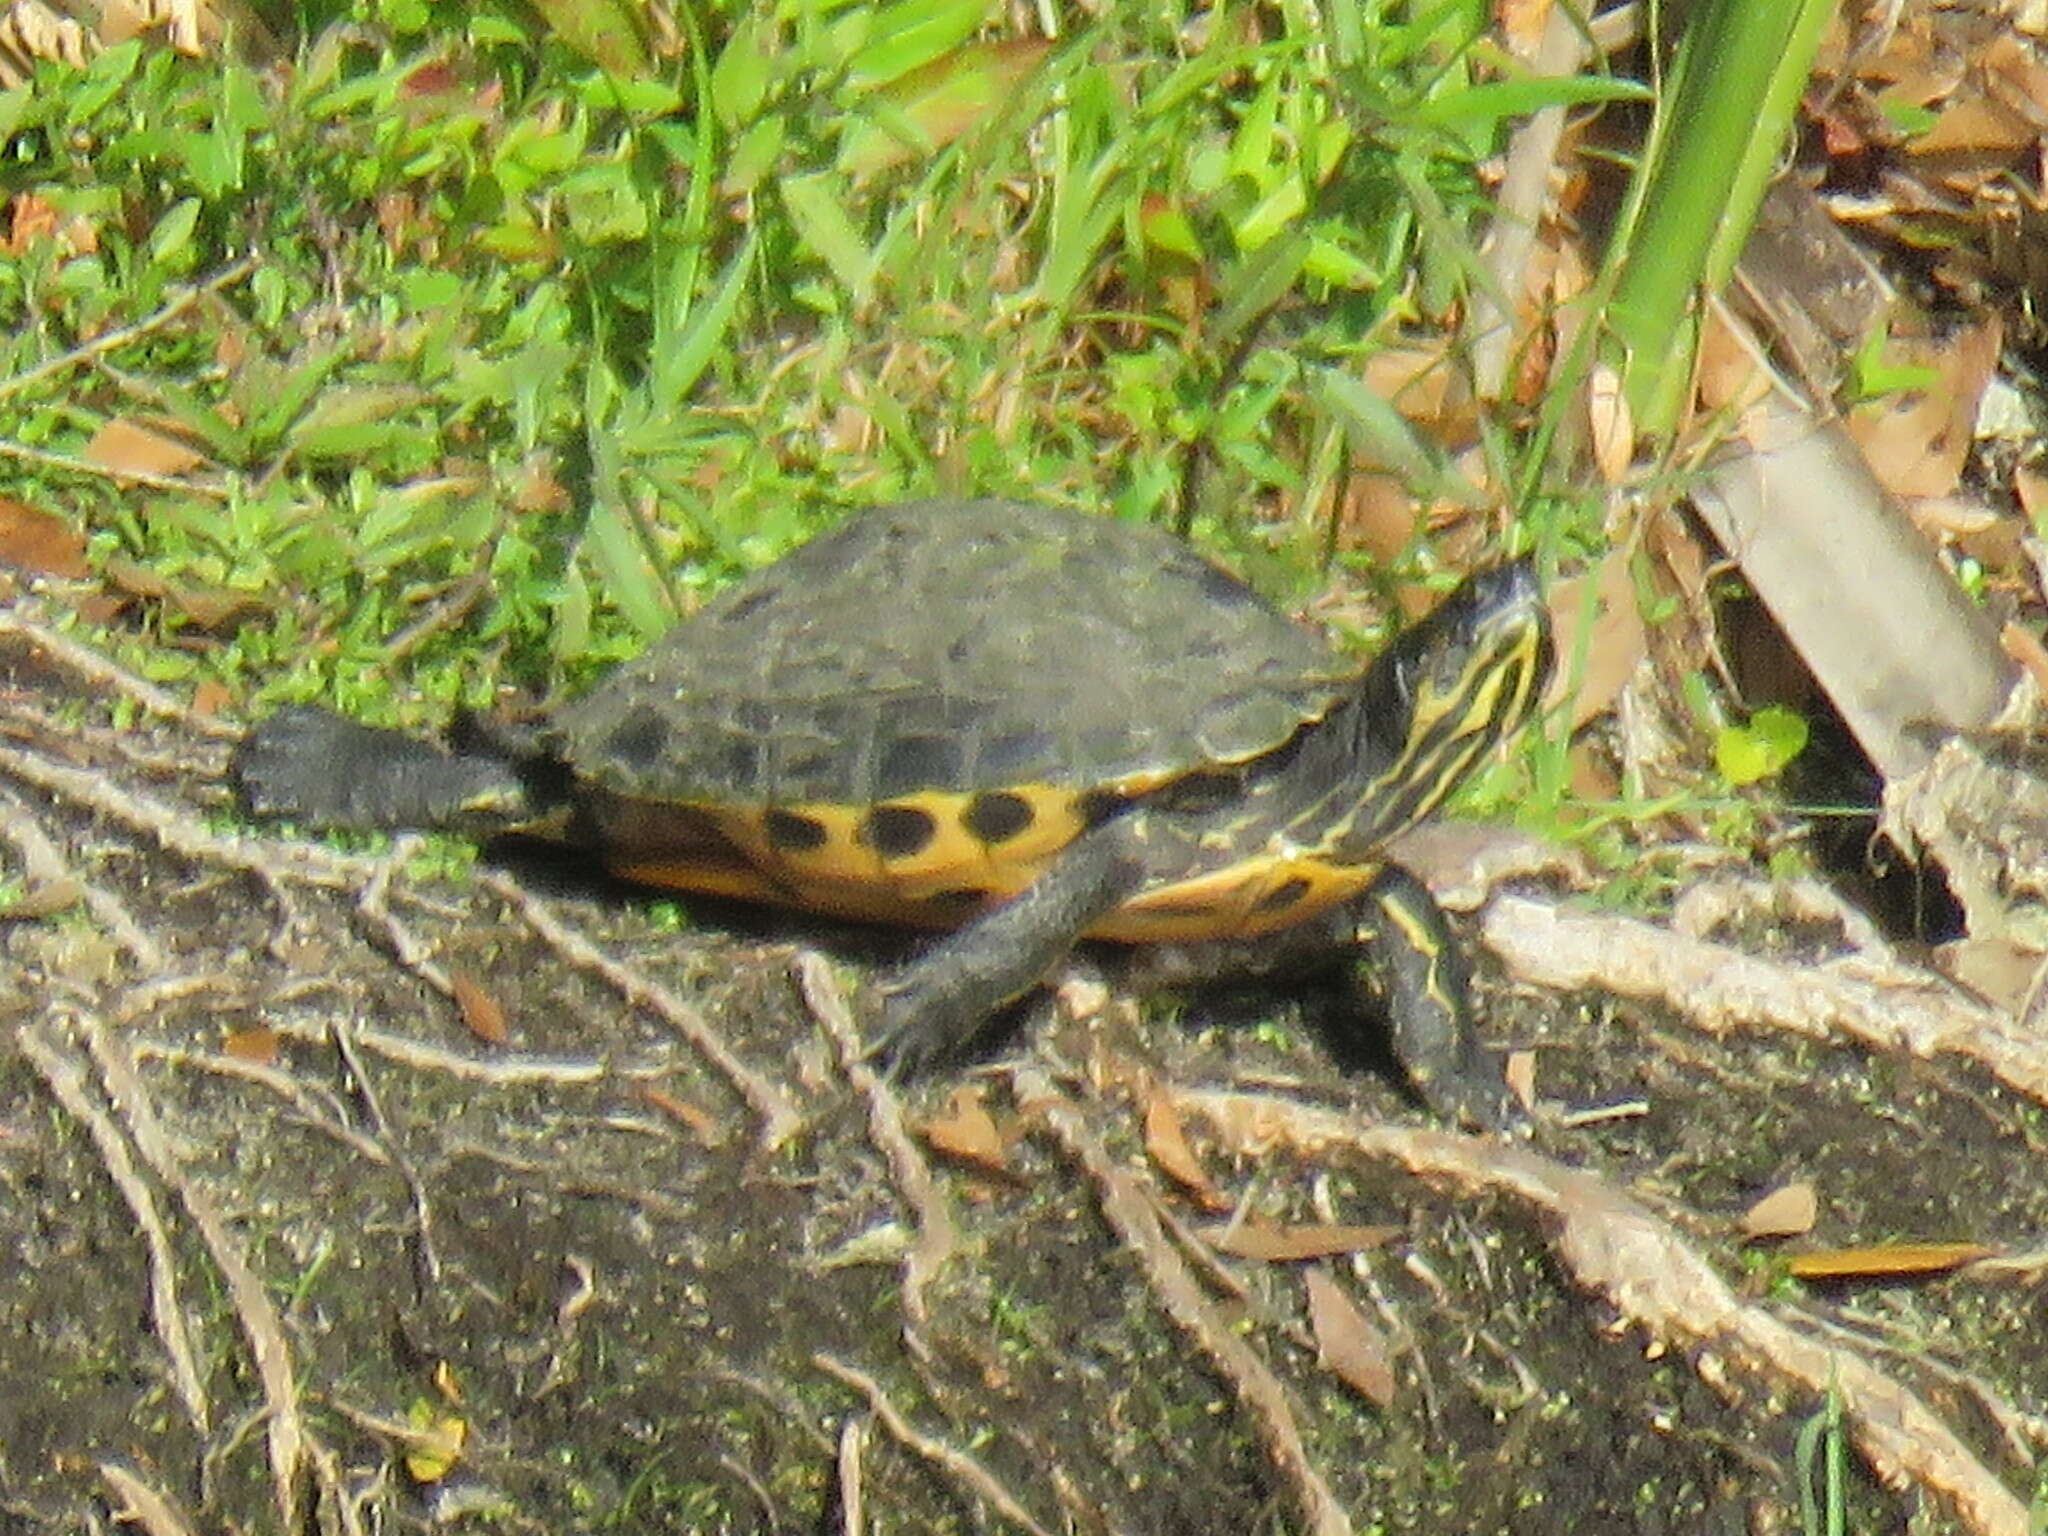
point(918, 1034)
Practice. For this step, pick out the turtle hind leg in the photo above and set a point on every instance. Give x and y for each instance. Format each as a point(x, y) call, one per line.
point(310, 765)
point(1427, 983)
point(938, 1004)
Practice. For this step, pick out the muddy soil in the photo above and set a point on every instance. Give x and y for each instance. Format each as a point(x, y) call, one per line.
point(351, 1192)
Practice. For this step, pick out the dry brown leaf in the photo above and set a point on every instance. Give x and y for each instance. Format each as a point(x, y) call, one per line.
point(258, 1045)
point(1519, 1069)
point(1729, 376)
point(1886, 1260)
point(1975, 125)
point(1786, 1211)
point(1618, 641)
point(1917, 440)
point(1376, 515)
point(128, 447)
point(1613, 427)
point(1166, 1143)
point(1275, 1243)
point(482, 1014)
point(2031, 487)
point(698, 1121)
point(1348, 1343)
point(210, 697)
point(2024, 647)
point(40, 543)
point(967, 1131)
point(207, 607)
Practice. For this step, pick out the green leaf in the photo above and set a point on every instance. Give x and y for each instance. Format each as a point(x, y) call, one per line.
point(931, 107)
point(170, 241)
point(104, 79)
point(910, 35)
point(687, 337)
point(612, 34)
point(1485, 105)
point(605, 208)
point(822, 224)
point(354, 420)
point(1762, 749)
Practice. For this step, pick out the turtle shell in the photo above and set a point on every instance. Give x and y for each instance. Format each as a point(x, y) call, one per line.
point(931, 700)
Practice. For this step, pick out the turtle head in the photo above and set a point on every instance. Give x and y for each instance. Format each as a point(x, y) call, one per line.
point(1450, 689)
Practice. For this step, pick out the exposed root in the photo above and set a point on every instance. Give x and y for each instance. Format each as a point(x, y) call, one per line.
point(140, 1504)
point(912, 1174)
point(956, 1464)
point(1720, 987)
point(47, 868)
point(426, 1255)
point(262, 1327)
point(771, 1106)
point(59, 1069)
point(1130, 1211)
point(22, 620)
point(1657, 1281)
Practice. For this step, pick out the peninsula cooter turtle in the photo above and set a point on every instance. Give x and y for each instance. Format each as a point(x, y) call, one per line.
point(1025, 725)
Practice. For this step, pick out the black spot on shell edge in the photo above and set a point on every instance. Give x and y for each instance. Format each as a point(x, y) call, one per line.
point(997, 816)
point(793, 832)
point(899, 831)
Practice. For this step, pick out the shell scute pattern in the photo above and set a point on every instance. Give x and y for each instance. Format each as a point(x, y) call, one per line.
point(931, 700)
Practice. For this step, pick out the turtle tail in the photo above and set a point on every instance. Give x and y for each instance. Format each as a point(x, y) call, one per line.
point(313, 766)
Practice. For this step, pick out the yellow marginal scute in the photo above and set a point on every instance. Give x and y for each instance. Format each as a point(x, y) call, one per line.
point(844, 861)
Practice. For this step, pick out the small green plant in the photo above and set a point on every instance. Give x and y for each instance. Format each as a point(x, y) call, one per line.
point(1761, 748)
point(1822, 1462)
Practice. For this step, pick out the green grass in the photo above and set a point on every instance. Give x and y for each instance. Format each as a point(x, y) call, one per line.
point(513, 357)
point(494, 361)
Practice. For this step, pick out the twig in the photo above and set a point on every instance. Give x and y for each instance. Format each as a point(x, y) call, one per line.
point(949, 1459)
point(426, 1252)
point(45, 865)
point(1131, 1214)
point(1651, 1275)
point(936, 1237)
point(146, 1507)
point(180, 300)
point(60, 1073)
point(373, 902)
point(847, 1462)
point(21, 620)
point(779, 1117)
point(183, 835)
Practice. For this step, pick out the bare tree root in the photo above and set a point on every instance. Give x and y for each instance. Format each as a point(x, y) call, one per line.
point(771, 1106)
point(980, 1483)
point(48, 870)
point(1657, 1281)
point(936, 1238)
point(1720, 987)
point(62, 1075)
point(1130, 1210)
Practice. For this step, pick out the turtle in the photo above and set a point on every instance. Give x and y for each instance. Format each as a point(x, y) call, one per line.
point(1020, 726)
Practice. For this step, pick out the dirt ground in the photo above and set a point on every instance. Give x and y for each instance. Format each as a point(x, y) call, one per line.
point(346, 1197)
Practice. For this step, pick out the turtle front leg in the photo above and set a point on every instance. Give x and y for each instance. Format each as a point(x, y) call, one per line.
point(1427, 983)
point(939, 1002)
